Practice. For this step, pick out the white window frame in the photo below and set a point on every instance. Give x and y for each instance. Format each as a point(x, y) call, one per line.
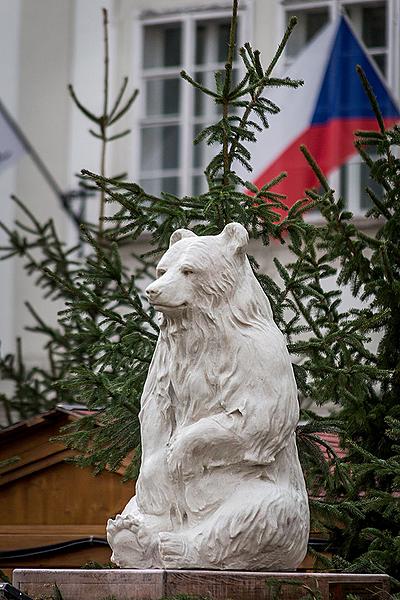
point(352, 192)
point(186, 118)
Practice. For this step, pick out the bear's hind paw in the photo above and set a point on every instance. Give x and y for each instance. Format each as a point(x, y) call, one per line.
point(174, 551)
point(123, 537)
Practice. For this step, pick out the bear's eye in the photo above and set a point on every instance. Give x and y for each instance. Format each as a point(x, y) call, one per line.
point(187, 271)
point(160, 272)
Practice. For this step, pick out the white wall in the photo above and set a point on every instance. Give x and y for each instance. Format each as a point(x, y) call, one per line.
point(9, 42)
point(86, 76)
point(48, 44)
point(45, 34)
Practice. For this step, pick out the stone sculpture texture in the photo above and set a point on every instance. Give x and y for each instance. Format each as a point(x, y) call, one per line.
point(220, 484)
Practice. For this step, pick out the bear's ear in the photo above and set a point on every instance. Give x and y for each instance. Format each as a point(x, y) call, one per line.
point(237, 237)
point(180, 234)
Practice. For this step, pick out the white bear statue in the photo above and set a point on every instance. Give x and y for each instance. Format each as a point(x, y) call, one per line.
point(220, 484)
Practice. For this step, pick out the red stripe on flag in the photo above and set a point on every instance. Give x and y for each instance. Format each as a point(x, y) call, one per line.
point(331, 144)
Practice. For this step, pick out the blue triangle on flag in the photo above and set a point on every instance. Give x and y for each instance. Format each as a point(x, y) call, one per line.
point(342, 95)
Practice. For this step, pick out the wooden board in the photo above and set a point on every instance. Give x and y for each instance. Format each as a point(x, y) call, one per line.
point(217, 585)
point(17, 537)
point(244, 585)
point(62, 494)
point(93, 585)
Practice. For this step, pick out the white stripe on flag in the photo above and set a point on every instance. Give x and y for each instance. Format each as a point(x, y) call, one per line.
point(297, 106)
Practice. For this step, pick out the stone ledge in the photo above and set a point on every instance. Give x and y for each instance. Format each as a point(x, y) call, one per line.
point(152, 584)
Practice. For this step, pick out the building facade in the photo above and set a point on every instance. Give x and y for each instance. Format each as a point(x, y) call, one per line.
point(50, 43)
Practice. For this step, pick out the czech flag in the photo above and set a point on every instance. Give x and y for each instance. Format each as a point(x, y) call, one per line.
point(323, 114)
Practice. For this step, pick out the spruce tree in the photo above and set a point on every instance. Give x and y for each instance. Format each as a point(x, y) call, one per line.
point(365, 383)
point(359, 508)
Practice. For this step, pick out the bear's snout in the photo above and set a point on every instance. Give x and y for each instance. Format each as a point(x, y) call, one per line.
point(152, 292)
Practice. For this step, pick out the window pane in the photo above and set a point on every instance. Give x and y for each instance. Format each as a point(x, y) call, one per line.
point(212, 38)
point(198, 149)
point(366, 181)
point(160, 148)
point(343, 181)
point(170, 146)
point(223, 41)
point(380, 60)
point(162, 184)
point(200, 52)
point(314, 22)
point(162, 45)
point(202, 153)
point(204, 104)
point(374, 26)
point(199, 185)
point(163, 97)
point(310, 22)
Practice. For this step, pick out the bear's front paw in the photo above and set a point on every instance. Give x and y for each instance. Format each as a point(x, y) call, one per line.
point(121, 524)
point(180, 461)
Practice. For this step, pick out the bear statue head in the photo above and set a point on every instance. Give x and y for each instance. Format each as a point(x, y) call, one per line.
point(199, 272)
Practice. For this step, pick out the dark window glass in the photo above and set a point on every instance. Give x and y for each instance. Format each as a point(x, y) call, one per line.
point(200, 44)
point(160, 148)
point(199, 185)
point(343, 181)
point(202, 153)
point(314, 22)
point(172, 46)
point(170, 141)
point(366, 181)
point(374, 26)
point(163, 96)
point(310, 22)
point(163, 184)
point(211, 44)
point(380, 60)
point(162, 45)
point(223, 41)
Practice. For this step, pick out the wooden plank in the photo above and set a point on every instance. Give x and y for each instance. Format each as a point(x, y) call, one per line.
point(96, 585)
point(68, 529)
point(38, 464)
point(29, 440)
point(31, 455)
point(74, 559)
point(238, 585)
point(235, 585)
point(31, 537)
point(27, 435)
point(218, 585)
point(63, 495)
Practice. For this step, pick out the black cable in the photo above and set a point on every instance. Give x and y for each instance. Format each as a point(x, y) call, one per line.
point(52, 548)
